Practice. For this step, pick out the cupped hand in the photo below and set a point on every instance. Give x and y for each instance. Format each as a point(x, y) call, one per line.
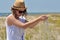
point(43, 17)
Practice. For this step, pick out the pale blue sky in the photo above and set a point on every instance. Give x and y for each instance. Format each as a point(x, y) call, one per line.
point(33, 5)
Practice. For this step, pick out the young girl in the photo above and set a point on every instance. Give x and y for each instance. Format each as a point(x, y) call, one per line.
point(16, 23)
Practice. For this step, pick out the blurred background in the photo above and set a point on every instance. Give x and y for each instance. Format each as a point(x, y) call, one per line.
point(48, 30)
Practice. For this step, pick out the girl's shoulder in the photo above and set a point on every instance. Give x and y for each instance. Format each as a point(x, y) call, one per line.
point(9, 19)
point(8, 16)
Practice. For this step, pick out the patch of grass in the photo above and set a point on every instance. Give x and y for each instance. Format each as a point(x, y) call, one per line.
point(40, 31)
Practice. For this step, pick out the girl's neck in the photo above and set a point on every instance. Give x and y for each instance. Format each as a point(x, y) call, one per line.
point(15, 16)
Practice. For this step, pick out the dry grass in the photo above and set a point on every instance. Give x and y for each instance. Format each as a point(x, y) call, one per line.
point(43, 31)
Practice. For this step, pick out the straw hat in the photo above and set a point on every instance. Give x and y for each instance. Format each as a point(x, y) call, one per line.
point(19, 4)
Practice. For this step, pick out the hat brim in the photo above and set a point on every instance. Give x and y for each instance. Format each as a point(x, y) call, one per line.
point(19, 8)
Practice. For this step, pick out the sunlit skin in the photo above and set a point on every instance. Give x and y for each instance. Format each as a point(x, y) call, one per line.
point(18, 14)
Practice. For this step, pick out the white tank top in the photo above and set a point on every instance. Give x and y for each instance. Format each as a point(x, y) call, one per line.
point(15, 33)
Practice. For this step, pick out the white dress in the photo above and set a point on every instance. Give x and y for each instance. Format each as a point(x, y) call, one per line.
point(15, 33)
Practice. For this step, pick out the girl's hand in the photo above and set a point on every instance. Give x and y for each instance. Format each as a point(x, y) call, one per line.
point(43, 18)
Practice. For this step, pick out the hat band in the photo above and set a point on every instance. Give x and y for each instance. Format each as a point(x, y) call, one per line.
point(16, 7)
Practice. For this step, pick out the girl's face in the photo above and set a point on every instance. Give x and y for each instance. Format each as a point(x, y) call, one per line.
point(19, 12)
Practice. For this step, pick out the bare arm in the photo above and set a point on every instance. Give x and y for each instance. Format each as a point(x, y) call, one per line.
point(24, 25)
point(33, 25)
point(42, 18)
point(27, 24)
